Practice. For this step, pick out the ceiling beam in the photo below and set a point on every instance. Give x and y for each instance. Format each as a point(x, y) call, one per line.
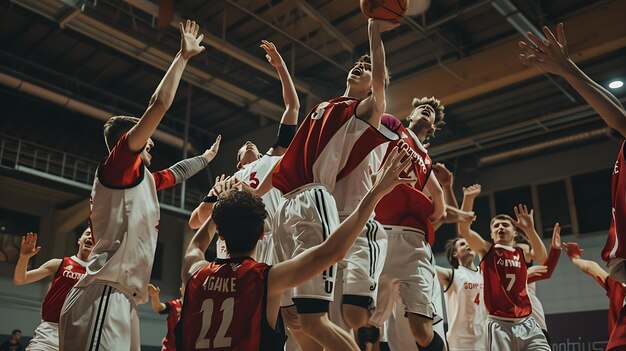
point(590, 34)
point(328, 27)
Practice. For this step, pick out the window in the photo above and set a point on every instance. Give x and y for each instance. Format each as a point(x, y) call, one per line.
point(507, 199)
point(592, 196)
point(554, 207)
point(157, 267)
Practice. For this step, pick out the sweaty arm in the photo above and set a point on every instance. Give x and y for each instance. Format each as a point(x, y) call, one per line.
point(23, 276)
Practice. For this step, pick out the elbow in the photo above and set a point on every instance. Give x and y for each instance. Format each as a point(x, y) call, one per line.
point(160, 102)
point(18, 281)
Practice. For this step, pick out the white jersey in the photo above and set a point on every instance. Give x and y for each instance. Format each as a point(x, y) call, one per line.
point(537, 313)
point(124, 224)
point(254, 173)
point(466, 312)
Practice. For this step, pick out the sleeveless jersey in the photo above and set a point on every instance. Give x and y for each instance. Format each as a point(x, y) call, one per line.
point(320, 149)
point(616, 292)
point(407, 205)
point(537, 313)
point(616, 241)
point(504, 277)
point(225, 309)
point(124, 223)
point(70, 271)
point(466, 312)
point(173, 315)
point(254, 173)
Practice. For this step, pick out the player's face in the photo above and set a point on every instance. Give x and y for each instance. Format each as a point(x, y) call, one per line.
point(503, 232)
point(145, 156)
point(463, 250)
point(85, 242)
point(360, 76)
point(422, 118)
point(248, 153)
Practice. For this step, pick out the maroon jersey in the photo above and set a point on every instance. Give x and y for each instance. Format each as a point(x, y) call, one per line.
point(224, 309)
point(616, 241)
point(616, 292)
point(406, 205)
point(172, 308)
point(69, 272)
point(504, 274)
point(320, 150)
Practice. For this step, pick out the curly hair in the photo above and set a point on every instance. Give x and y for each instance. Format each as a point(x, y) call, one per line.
point(450, 248)
point(367, 59)
point(117, 126)
point(239, 217)
point(437, 107)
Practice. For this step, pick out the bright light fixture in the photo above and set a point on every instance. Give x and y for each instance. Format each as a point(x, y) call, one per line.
point(616, 84)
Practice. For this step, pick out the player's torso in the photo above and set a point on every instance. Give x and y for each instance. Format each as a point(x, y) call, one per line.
point(172, 319)
point(614, 247)
point(69, 273)
point(124, 224)
point(504, 277)
point(322, 145)
point(466, 312)
point(214, 295)
point(616, 293)
point(254, 174)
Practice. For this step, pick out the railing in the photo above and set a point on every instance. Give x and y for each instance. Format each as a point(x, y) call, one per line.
point(21, 155)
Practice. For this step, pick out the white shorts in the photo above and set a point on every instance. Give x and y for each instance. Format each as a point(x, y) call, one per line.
point(98, 317)
point(410, 263)
point(46, 337)
point(519, 335)
point(305, 219)
point(364, 262)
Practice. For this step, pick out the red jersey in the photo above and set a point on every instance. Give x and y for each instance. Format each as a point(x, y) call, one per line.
point(172, 308)
point(616, 241)
point(616, 292)
point(70, 271)
point(320, 150)
point(504, 289)
point(225, 309)
point(407, 205)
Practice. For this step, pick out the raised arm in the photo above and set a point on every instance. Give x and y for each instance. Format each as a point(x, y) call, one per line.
point(439, 202)
point(445, 276)
point(474, 240)
point(201, 213)
point(553, 255)
point(311, 262)
point(591, 268)
point(155, 299)
point(526, 223)
point(288, 122)
point(164, 94)
point(446, 179)
point(552, 56)
point(29, 249)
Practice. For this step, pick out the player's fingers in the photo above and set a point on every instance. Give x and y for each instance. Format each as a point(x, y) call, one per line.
point(538, 43)
point(196, 29)
point(406, 180)
point(560, 34)
point(404, 165)
point(181, 28)
point(550, 36)
point(187, 25)
point(200, 38)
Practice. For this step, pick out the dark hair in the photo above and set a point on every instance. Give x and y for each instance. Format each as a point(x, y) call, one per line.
point(450, 248)
point(437, 107)
point(239, 217)
point(116, 127)
point(502, 217)
point(367, 59)
point(16, 331)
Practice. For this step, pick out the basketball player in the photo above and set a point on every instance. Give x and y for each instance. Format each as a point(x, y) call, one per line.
point(307, 174)
point(233, 303)
point(253, 167)
point(172, 309)
point(615, 291)
point(407, 215)
point(509, 324)
point(100, 312)
point(65, 272)
point(552, 56)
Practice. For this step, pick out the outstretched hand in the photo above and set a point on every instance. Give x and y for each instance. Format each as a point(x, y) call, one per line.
point(536, 271)
point(190, 41)
point(388, 177)
point(550, 55)
point(443, 174)
point(472, 190)
point(573, 250)
point(271, 54)
point(153, 290)
point(210, 153)
point(524, 218)
point(556, 237)
point(29, 246)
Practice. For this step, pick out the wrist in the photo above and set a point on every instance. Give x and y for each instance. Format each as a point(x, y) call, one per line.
point(182, 56)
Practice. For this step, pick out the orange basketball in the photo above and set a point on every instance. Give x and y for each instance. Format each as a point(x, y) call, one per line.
point(387, 10)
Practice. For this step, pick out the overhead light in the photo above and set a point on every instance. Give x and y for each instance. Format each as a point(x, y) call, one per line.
point(616, 84)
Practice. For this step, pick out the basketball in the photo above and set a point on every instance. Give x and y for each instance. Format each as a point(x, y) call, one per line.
point(387, 10)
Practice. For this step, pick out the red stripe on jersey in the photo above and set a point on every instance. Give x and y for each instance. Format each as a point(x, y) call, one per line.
point(616, 293)
point(616, 240)
point(504, 274)
point(295, 169)
point(223, 307)
point(173, 314)
point(67, 275)
point(361, 149)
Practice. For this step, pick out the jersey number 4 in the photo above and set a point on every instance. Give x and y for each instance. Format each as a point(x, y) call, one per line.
point(207, 316)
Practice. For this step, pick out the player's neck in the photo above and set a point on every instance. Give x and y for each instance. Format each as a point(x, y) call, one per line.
point(359, 94)
point(82, 255)
point(420, 133)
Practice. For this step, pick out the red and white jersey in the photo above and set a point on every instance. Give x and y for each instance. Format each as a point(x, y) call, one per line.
point(69, 273)
point(616, 293)
point(466, 312)
point(173, 309)
point(322, 146)
point(615, 247)
point(225, 308)
point(407, 205)
point(124, 222)
point(504, 289)
point(254, 173)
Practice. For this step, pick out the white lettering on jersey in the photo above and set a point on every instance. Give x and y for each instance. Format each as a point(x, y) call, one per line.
point(616, 169)
point(417, 158)
point(219, 284)
point(67, 273)
point(507, 262)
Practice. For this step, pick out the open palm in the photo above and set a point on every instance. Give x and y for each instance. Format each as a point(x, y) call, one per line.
point(190, 41)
